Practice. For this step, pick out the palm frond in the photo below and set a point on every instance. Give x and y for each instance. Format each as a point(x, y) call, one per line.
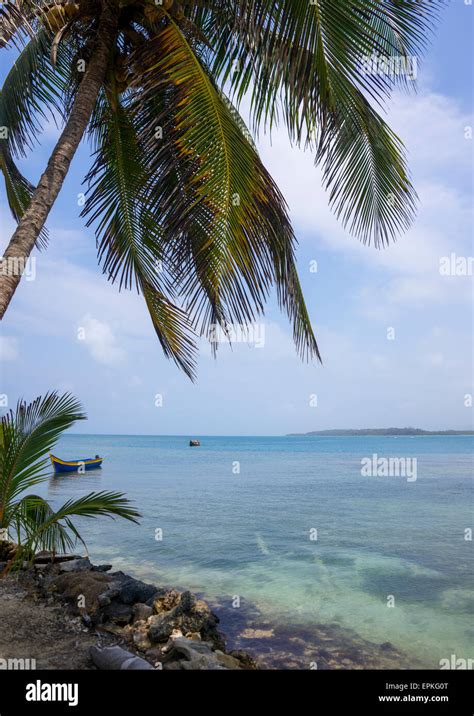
point(224, 218)
point(29, 432)
point(130, 241)
point(22, 19)
point(94, 504)
point(26, 434)
point(18, 189)
point(289, 50)
point(31, 93)
point(306, 64)
point(364, 170)
point(42, 527)
point(191, 218)
point(39, 529)
point(16, 21)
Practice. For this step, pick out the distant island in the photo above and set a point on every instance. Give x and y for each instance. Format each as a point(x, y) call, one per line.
point(383, 431)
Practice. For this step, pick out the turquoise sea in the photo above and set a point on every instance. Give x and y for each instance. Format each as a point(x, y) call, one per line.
point(307, 561)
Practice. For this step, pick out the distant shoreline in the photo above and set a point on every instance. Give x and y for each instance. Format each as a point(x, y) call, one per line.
point(388, 432)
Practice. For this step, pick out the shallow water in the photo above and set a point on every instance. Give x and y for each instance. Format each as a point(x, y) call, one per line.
point(238, 516)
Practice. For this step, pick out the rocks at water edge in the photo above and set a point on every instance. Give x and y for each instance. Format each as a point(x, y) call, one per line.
point(141, 612)
point(83, 590)
point(45, 557)
point(189, 615)
point(169, 629)
point(192, 654)
point(82, 564)
point(130, 590)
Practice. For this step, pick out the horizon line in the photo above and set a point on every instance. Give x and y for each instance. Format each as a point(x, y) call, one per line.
point(309, 433)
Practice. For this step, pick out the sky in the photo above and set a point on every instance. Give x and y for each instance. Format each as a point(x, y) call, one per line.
point(395, 333)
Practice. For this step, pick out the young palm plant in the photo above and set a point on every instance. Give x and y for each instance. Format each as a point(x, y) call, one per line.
point(27, 434)
point(184, 211)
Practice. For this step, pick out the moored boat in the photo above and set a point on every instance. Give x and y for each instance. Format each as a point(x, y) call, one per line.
point(75, 465)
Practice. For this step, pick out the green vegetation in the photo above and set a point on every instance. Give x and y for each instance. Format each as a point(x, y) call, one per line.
point(27, 434)
point(183, 208)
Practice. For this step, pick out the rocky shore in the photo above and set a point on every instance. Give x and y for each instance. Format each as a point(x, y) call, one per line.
point(65, 612)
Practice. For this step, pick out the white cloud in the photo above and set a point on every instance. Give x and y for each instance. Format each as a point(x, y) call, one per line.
point(8, 348)
point(53, 304)
point(435, 359)
point(100, 341)
point(432, 127)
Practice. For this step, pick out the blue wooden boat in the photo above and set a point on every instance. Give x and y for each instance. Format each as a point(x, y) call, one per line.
point(89, 463)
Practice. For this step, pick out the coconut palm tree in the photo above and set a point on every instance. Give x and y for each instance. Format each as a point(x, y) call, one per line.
point(28, 433)
point(183, 209)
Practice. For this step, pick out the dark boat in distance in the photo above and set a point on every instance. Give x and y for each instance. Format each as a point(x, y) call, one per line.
point(89, 463)
point(194, 443)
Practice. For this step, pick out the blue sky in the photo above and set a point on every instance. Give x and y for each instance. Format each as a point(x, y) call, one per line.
point(355, 298)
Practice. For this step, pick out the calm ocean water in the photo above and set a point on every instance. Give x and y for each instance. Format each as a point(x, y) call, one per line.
point(238, 516)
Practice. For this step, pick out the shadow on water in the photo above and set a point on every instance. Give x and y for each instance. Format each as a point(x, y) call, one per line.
point(413, 588)
point(276, 645)
point(67, 482)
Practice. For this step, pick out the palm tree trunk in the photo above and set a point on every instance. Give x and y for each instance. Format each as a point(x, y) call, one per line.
point(25, 236)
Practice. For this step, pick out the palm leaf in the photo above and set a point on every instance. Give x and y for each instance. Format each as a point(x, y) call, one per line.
point(304, 63)
point(26, 434)
point(364, 169)
point(129, 237)
point(16, 20)
point(29, 433)
point(290, 49)
point(30, 93)
point(38, 528)
point(224, 218)
point(94, 504)
point(18, 189)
